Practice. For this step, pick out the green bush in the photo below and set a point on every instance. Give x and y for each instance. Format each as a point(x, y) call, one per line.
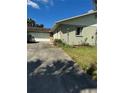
point(92, 70)
point(58, 42)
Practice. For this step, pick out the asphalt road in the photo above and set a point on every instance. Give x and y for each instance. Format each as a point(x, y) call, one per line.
point(51, 70)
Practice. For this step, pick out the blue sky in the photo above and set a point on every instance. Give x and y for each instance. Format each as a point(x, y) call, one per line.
point(47, 12)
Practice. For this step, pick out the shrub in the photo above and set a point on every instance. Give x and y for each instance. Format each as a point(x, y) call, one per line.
point(92, 70)
point(58, 42)
point(85, 44)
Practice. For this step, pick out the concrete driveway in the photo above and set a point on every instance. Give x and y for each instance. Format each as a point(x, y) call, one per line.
point(51, 70)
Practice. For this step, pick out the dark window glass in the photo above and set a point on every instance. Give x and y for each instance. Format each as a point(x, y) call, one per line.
point(78, 31)
point(96, 16)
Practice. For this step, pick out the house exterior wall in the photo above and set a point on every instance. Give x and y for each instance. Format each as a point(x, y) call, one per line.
point(68, 35)
point(67, 31)
point(57, 35)
point(90, 35)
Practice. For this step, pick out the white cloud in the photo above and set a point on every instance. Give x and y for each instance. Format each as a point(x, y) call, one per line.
point(45, 2)
point(33, 4)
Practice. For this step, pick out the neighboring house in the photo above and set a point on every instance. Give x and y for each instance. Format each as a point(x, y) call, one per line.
point(77, 30)
point(39, 34)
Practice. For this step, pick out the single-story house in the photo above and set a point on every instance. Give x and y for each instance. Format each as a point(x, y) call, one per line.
point(39, 34)
point(77, 30)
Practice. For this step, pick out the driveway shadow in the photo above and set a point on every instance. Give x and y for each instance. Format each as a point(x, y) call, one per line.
point(61, 76)
point(32, 66)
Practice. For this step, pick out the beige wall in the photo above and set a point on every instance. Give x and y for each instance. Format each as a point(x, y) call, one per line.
point(88, 35)
point(67, 32)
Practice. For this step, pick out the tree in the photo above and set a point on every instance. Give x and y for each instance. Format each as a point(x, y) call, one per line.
point(32, 23)
point(39, 25)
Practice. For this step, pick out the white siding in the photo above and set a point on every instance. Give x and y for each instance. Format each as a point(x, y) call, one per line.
point(66, 31)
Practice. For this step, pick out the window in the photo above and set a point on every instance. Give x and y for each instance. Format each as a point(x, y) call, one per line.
point(79, 30)
point(96, 16)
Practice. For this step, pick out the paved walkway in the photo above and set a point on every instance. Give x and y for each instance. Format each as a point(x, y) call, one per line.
point(51, 70)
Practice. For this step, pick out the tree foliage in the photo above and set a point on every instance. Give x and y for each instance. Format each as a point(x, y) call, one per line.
point(32, 23)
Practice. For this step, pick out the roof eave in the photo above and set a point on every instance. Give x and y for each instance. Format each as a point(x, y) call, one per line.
point(63, 20)
point(59, 22)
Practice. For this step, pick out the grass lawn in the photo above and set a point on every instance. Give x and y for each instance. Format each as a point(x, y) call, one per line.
point(84, 55)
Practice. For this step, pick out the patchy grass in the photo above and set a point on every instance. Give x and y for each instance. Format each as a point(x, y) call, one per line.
point(84, 55)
